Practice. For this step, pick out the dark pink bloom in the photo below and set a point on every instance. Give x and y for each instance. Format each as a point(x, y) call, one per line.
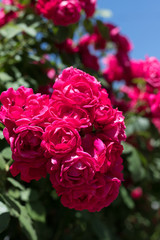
point(110, 121)
point(22, 106)
point(76, 133)
point(152, 72)
point(137, 193)
point(114, 70)
point(94, 196)
point(27, 153)
point(85, 180)
point(60, 139)
point(89, 60)
point(61, 12)
point(137, 68)
point(77, 88)
point(89, 6)
point(80, 118)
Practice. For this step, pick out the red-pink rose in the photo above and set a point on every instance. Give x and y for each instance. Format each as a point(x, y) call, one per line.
point(27, 153)
point(151, 70)
point(22, 106)
point(60, 139)
point(89, 6)
point(73, 171)
point(62, 12)
point(114, 70)
point(89, 60)
point(110, 121)
point(78, 117)
point(93, 197)
point(79, 184)
point(76, 87)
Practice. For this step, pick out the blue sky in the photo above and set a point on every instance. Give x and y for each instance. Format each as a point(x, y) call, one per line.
point(140, 21)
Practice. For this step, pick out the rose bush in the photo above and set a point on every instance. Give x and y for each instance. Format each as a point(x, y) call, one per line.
point(64, 143)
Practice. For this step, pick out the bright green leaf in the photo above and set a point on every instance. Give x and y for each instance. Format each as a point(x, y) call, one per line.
point(7, 153)
point(15, 183)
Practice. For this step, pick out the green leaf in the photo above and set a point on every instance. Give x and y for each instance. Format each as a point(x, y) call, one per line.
point(4, 77)
point(14, 193)
point(126, 198)
point(2, 163)
point(7, 153)
point(134, 162)
point(4, 217)
point(61, 33)
point(15, 183)
point(29, 195)
point(25, 1)
point(103, 29)
point(12, 205)
point(137, 124)
point(10, 31)
point(88, 25)
point(26, 225)
point(36, 211)
point(28, 29)
point(1, 135)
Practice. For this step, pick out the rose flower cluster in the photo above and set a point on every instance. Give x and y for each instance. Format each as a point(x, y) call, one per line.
point(74, 136)
point(65, 12)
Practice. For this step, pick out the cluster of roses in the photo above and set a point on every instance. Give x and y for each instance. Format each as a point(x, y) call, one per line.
point(8, 15)
point(61, 12)
point(98, 43)
point(65, 12)
point(143, 95)
point(75, 136)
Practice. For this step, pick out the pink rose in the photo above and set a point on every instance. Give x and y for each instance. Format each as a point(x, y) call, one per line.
point(27, 153)
point(151, 68)
point(96, 148)
point(93, 197)
point(78, 117)
point(89, 178)
point(79, 185)
point(22, 106)
point(89, 60)
point(13, 103)
point(114, 70)
point(60, 139)
point(116, 129)
point(137, 68)
point(110, 121)
point(77, 88)
point(73, 171)
point(89, 6)
point(62, 12)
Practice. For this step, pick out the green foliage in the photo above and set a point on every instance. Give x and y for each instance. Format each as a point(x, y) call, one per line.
point(4, 217)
